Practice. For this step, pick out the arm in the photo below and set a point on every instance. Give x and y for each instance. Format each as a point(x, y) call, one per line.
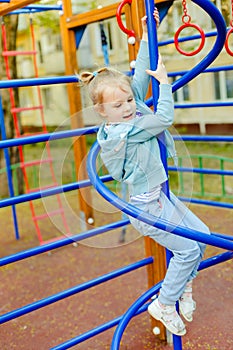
point(141, 79)
point(152, 124)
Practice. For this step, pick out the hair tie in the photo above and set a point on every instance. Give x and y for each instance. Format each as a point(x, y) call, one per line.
point(95, 73)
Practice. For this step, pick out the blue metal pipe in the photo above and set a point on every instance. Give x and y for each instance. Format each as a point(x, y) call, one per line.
point(8, 167)
point(215, 14)
point(48, 192)
point(207, 202)
point(48, 137)
point(14, 83)
point(35, 9)
point(93, 332)
point(143, 216)
point(154, 290)
point(201, 171)
point(61, 242)
point(203, 105)
point(153, 53)
point(71, 291)
point(188, 38)
point(207, 70)
point(202, 138)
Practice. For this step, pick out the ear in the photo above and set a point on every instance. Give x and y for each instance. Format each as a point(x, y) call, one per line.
point(99, 109)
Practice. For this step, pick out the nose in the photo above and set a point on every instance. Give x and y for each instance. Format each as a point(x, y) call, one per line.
point(127, 107)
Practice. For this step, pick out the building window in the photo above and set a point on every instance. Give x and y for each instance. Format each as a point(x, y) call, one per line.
point(40, 52)
point(181, 95)
point(223, 85)
point(224, 7)
point(103, 37)
point(47, 98)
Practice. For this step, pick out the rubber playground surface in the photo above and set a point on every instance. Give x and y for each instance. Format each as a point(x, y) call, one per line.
point(38, 277)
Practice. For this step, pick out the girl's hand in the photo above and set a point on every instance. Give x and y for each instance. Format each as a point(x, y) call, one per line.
point(156, 17)
point(160, 73)
point(144, 23)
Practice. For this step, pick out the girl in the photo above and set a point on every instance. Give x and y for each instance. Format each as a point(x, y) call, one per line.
point(130, 151)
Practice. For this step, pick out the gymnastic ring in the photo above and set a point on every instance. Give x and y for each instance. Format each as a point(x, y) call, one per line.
point(127, 31)
point(202, 43)
point(228, 50)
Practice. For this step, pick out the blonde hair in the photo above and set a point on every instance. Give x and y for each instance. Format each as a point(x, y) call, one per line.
point(100, 80)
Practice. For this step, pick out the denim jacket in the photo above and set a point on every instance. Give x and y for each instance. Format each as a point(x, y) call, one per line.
point(130, 150)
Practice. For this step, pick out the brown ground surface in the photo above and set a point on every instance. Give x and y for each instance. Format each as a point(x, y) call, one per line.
point(38, 277)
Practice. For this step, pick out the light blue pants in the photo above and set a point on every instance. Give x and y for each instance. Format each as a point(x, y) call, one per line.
point(187, 254)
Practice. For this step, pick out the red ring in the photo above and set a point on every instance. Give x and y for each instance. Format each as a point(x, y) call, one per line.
point(228, 50)
point(118, 16)
point(199, 29)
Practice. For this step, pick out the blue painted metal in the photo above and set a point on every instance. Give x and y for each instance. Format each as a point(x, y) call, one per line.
point(215, 14)
point(61, 242)
point(143, 216)
point(206, 138)
point(8, 167)
point(207, 70)
point(154, 290)
point(207, 202)
point(48, 137)
point(202, 171)
point(153, 53)
point(35, 9)
point(149, 219)
point(95, 331)
point(6, 84)
point(79, 31)
point(188, 38)
point(203, 105)
point(71, 291)
point(222, 241)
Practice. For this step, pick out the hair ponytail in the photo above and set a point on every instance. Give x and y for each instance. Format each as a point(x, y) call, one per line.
point(97, 81)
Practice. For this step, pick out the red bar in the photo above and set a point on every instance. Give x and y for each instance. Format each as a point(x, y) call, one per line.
point(41, 188)
point(21, 109)
point(46, 215)
point(18, 53)
point(36, 162)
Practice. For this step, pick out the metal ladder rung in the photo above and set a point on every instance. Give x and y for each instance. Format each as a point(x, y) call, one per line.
point(18, 53)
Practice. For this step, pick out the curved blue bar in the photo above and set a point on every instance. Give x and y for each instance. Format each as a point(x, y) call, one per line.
point(215, 14)
point(143, 216)
point(219, 44)
point(133, 309)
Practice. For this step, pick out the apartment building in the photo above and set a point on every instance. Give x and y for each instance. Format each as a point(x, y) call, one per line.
point(207, 88)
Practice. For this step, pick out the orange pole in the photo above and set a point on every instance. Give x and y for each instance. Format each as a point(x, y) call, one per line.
point(75, 104)
point(157, 270)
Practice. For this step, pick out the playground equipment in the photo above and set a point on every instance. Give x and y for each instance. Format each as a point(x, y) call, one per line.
point(229, 33)
point(186, 19)
point(218, 240)
point(24, 165)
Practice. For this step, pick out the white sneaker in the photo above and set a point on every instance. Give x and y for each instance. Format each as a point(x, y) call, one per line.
point(168, 316)
point(186, 307)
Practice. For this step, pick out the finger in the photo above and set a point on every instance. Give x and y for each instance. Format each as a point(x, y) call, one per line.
point(149, 72)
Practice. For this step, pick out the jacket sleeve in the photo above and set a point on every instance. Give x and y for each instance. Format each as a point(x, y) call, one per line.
point(152, 124)
point(141, 79)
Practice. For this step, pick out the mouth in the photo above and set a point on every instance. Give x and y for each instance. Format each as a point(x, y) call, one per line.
point(128, 116)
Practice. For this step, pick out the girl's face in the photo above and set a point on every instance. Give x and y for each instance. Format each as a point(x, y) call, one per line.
point(118, 105)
